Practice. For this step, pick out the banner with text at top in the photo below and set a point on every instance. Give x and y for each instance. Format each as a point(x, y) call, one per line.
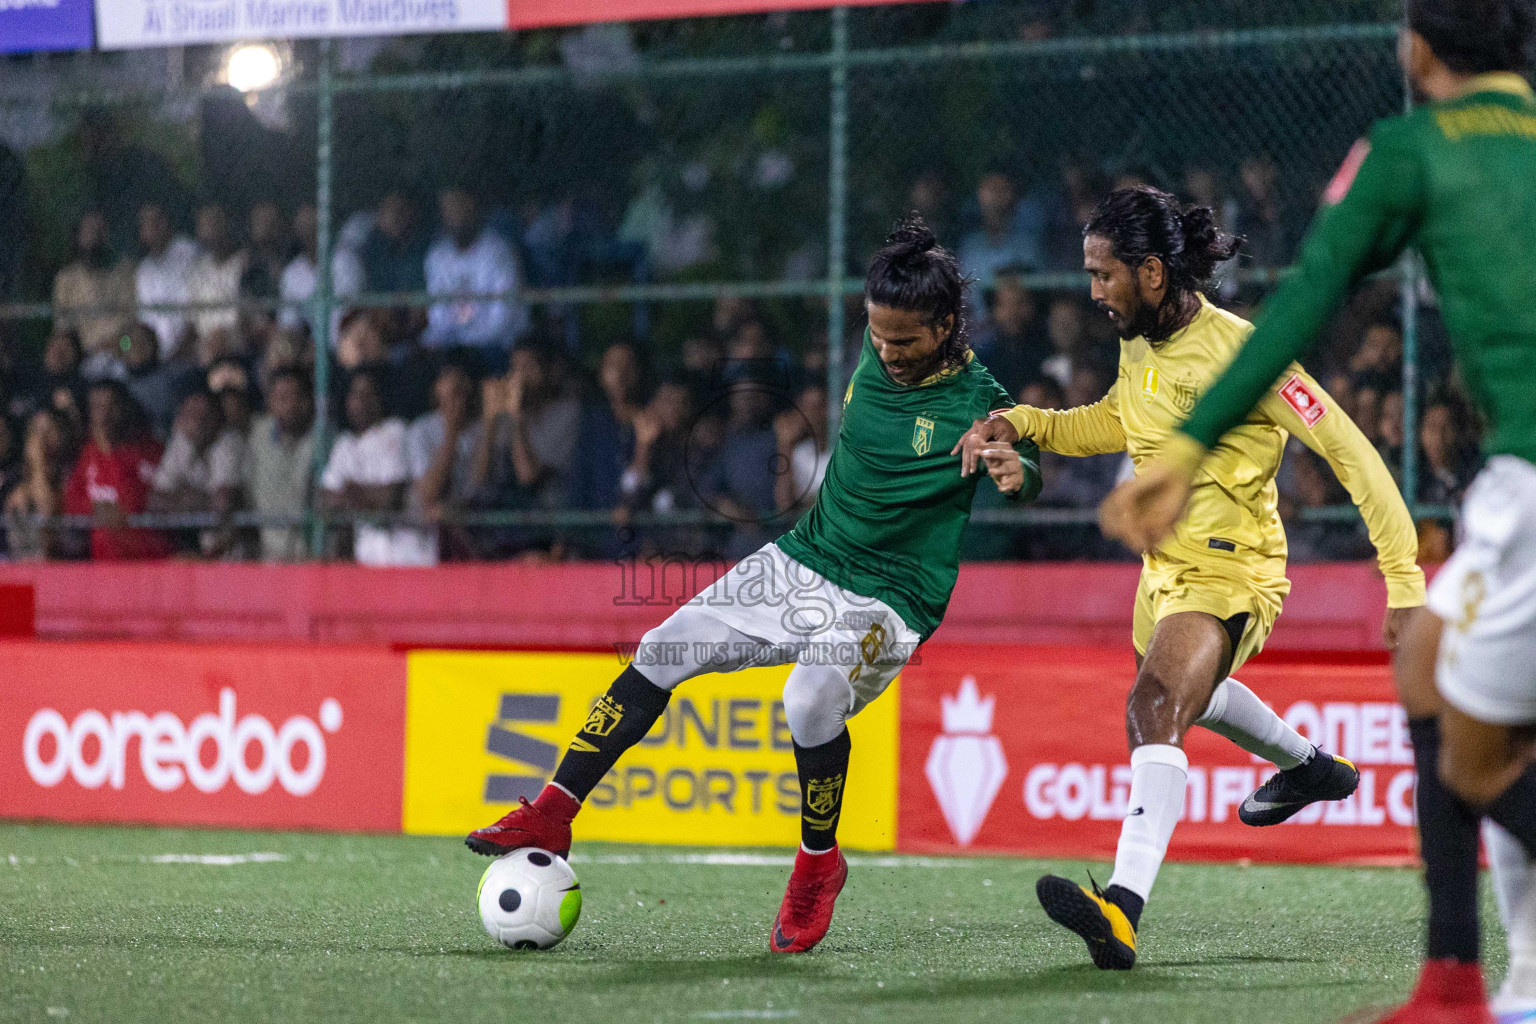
point(128, 24)
point(28, 26)
point(718, 768)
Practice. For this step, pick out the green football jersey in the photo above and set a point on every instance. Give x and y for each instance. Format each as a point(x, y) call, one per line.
point(1457, 180)
point(889, 516)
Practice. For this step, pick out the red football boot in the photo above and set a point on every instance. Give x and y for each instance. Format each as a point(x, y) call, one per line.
point(806, 913)
point(1448, 992)
point(544, 824)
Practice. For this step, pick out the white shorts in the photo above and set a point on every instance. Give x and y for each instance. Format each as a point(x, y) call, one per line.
point(1486, 595)
point(801, 616)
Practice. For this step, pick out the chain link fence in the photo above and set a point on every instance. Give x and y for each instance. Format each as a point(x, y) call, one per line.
point(704, 192)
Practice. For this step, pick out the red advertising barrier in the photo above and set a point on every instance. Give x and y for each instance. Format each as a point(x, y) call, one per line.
point(592, 604)
point(524, 14)
point(249, 735)
point(1007, 748)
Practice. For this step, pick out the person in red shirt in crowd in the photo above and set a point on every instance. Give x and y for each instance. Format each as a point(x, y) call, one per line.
point(113, 477)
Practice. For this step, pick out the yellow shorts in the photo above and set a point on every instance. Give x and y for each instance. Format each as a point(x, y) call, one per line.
point(1169, 586)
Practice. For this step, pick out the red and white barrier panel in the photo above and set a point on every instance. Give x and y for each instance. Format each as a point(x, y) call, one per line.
point(1023, 750)
point(247, 735)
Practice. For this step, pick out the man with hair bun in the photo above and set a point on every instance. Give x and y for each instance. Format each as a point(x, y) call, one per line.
point(846, 596)
point(1455, 178)
point(1210, 594)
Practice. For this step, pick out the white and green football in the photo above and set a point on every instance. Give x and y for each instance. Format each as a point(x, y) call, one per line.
point(529, 899)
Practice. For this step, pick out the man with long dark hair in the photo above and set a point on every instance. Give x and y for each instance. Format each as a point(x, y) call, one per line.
point(845, 596)
point(1457, 179)
point(1210, 594)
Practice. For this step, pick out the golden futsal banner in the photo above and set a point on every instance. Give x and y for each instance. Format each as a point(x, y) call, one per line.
point(484, 728)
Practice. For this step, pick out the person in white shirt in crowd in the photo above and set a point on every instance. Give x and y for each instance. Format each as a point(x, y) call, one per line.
point(93, 294)
point(215, 281)
point(471, 258)
point(269, 248)
point(301, 278)
point(803, 455)
point(441, 449)
point(202, 468)
point(164, 277)
point(279, 469)
point(369, 471)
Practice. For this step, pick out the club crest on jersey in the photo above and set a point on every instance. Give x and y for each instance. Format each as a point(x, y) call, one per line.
point(922, 436)
point(822, 795)
point(1150, 379)
point(1184, 396)
point(1304, 400)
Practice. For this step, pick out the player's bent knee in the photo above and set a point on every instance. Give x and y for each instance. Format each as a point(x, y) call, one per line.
point(816, 705)
point(1149, 691)
point(1160, 710)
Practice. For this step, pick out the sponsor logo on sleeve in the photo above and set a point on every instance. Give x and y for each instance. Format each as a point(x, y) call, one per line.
point(1304, 400)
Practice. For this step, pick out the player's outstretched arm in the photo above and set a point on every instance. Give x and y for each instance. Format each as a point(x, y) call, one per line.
point(1300, 405)
point(1374, 205)
point(1086, 430)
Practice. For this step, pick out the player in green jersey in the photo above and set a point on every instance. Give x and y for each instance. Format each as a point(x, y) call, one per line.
point(1456, 179)
point(846, 596)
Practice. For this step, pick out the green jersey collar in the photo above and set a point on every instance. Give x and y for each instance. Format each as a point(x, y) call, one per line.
point(934, 378)
point(1501, 81)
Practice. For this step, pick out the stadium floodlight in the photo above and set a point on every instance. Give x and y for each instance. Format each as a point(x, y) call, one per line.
point(252, 66)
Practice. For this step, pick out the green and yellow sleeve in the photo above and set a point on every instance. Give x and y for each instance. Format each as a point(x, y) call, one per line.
point(1330, 433)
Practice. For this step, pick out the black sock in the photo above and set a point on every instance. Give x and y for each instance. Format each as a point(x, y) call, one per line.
point(823, 772)
point(620, 719)
point(1129, 903)
point(1448, 843)
point(1515, 809)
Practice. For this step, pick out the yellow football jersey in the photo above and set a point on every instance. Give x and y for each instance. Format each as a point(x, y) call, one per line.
point(1232, 524)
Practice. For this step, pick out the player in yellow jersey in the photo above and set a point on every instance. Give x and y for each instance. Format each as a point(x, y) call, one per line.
point(1209, 595)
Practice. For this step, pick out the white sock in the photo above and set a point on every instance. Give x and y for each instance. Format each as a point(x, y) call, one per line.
point(1157, 800)
point(1516, 896)
point(1237, 713)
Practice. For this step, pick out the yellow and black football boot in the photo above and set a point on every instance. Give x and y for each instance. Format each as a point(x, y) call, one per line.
point(1097, 916)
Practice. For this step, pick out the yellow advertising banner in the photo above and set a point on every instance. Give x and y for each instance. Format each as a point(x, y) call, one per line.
point(483, 728)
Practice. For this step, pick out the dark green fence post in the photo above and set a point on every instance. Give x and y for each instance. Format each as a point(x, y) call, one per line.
point(837, 219)
point(324, 300)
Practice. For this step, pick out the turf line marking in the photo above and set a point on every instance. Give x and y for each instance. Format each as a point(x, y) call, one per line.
point(766, 860)
point(746, 1014)
point(218, 859)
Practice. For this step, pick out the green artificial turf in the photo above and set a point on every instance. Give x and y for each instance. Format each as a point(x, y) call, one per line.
point(340, 928)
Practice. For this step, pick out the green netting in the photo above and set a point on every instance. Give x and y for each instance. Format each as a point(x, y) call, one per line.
point(649, 170)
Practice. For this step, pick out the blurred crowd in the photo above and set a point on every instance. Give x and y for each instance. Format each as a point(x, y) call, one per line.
point(452, 402)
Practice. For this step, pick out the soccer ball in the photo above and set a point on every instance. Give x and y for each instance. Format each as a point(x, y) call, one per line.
point(529, 899)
